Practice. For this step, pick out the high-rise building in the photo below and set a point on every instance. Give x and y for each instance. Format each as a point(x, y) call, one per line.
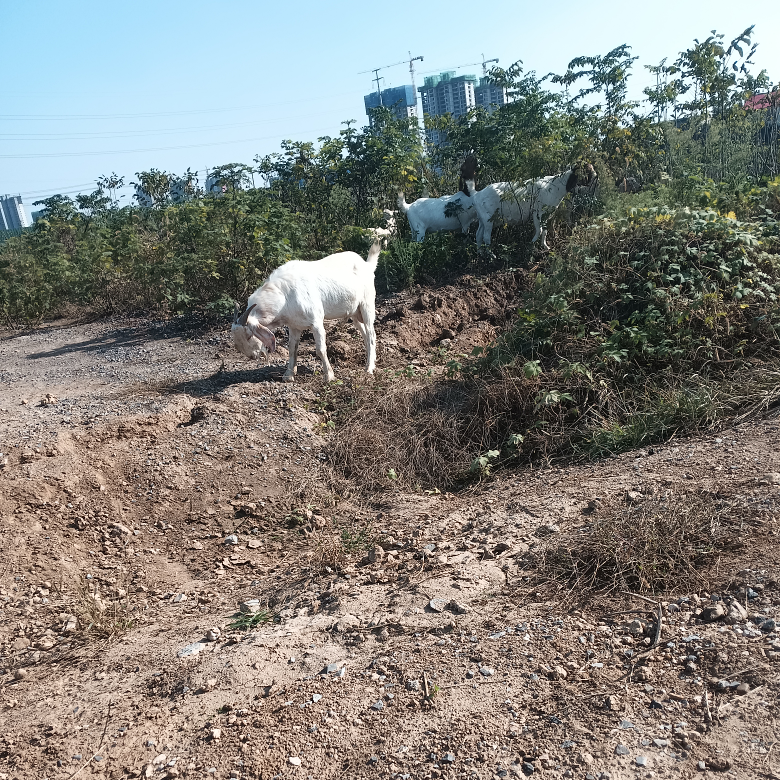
point(12, 213)
point(489, 96)
point(400, 100)
point(447, 94)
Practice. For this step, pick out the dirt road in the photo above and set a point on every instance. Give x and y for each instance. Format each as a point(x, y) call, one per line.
point(153, 481)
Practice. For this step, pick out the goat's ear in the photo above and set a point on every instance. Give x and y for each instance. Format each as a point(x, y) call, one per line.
point(266, 336)
point(236, 313)
point(571, 182)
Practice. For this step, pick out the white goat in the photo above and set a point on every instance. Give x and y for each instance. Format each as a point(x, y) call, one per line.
point(513, 203)
point(383, 234)
point(430, 215)
point(302, 295)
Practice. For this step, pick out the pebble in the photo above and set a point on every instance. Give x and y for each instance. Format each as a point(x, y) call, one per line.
point(294, 760)
point(213, 634)
point(743, 688)
point(661, 743)
point(231, 539)
point(457, 607)
point(216, 733)
point(334, 668)
point(250, 607)
point(316, 697)
point(378, 705)
point(621, 750)
point(20, 674)
point(641, 761)
point(414, 685)
point(626, 724)
point(438, 605)
point(768, 626)
point(527, 768)
point(486, 671)
point(190, 650)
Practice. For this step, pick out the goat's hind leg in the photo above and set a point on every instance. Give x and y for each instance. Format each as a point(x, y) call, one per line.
point(364, 319)
point(318, 330)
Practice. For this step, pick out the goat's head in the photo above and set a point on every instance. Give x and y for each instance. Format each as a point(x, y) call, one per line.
point(251, 339)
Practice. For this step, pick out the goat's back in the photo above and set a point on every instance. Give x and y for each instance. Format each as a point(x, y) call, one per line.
point(300, 292)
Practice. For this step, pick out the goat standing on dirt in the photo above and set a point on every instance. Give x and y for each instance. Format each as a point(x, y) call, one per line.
point(300, 295)
point(515, 203)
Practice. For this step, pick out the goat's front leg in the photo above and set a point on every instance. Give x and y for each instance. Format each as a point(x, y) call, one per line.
point(364, 319)
point(538, 226)
point(319, 344)
point(295, 340)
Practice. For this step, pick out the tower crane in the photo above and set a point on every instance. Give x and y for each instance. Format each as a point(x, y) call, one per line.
point(376, 78)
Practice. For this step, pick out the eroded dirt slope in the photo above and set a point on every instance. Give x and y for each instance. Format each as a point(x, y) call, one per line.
point(154, 481)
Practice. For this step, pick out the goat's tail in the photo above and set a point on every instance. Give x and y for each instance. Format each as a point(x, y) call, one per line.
point(402, 204)
point(373, 255)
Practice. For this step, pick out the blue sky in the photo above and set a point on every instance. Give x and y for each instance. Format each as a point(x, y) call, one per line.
point(94, 87)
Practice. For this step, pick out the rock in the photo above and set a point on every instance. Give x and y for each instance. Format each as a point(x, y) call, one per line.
point(501, 547)
point(211, 683)
point(457, 607)
point(316, 697)
point(641, 761)
point(718, 764)
point(250, 607)
point(376, 553)
point(20, 643)
point(626, 724)
point(438, 605)
point(412, 685)
point(713, 613)
point(48, 400)
point(340, 350)
point(486, 671)
point(179, 598)
point(378, 705)
point(661, 743)
point(21, 674)
point(117, 529)
point(346, 623)
point(643, 674)
point(772, 478)
point(768, 626)
point(743, 688)
point(71, 625)
point(190, 650)
point(213, 634)
point(527, 768)
point(448, 758)
point(557, 673)
point(216, 733)
point(633, 496)
point(737, 613)
point(45, 644)
point(231, 539)
point(621, 750)
point(294, 761)
point(334, 668)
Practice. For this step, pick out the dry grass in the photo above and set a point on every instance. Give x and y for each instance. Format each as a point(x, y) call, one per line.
point(99, 616)
point(659, 544)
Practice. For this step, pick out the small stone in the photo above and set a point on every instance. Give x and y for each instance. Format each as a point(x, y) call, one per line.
point(231, 539)
point(347, 623)
point(457, 607)
point(661, 743)
point(190, 650)
point(213, 634)
point(294, 761)
point(250, 607)
point(718, 764)
point(527, 768)
point(546, 530)
point(438, 605)
point(378, 705)
point(179, 598)
point(743, 688)
point(376, 553)
point(211, 683)
point(621, 750)
point(316, 697)
point(486, 671)
point(334, 668)
point(713, 613)
point(21, 674)
point(448, 758)
point(626, 724)
point(701, 766)
point(641, 761)
point(413, 685)
point(20, 643)
point(216, 733)
point(768, 626)
point(558, 673)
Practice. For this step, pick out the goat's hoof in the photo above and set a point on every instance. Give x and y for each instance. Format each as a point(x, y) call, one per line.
point(288, 377)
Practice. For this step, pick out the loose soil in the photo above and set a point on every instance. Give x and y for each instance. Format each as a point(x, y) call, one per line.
point(152, 481)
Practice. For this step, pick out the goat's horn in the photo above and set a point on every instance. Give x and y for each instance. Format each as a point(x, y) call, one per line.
point(242, 319)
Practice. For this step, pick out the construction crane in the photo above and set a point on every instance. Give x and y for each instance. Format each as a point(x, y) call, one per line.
point(484, 65)
point(376, 78)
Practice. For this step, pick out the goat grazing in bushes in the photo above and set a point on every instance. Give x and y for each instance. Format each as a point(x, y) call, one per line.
point(517, 203)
